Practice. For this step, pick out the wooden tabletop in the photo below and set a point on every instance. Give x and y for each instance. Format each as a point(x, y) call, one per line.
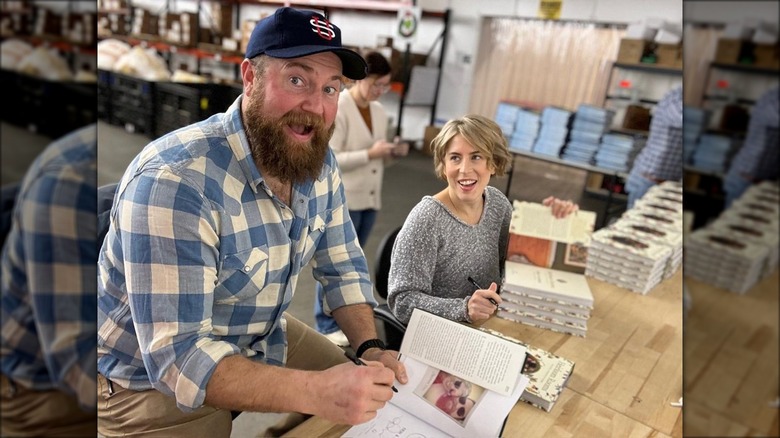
point(731, 360)
point(627, 370)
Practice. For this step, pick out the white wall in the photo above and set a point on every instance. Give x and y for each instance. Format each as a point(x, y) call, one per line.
point(364, 29)
point(734, 11)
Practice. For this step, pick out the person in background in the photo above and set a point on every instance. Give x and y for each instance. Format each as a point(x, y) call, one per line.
point(661, 158)
point(757, 160)
point(48, 346)
point(362, 150)
point(210, 228)
point(461, 232)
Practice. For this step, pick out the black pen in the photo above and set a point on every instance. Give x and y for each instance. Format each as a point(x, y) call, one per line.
point(351, 356)
point(474, 282)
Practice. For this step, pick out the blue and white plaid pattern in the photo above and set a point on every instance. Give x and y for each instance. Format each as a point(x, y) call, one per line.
point(758, 157)
point(200, 260)
point(49, 305)
point(661, 158)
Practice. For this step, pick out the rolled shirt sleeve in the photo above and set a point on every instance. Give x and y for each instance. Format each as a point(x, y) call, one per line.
point(171, 271)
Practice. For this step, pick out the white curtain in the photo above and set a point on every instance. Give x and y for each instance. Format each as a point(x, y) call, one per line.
point(537, 63)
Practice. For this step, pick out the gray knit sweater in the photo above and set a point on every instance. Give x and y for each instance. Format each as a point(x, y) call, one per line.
point(435, 253)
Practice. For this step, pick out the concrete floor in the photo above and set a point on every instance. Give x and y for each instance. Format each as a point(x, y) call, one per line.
point(406, 182)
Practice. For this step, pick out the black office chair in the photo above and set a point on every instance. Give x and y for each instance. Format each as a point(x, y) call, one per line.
point(105, 200)
point(394, 329)
point(8, 194)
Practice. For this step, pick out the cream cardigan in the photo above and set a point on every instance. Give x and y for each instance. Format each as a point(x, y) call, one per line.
point(350, 142)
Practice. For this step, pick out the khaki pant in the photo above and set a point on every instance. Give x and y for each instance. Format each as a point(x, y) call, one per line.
point(26, 413)
point(153, 414)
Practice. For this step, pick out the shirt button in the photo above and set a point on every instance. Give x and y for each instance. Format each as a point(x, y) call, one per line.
point(301, 201)
point(373, 171)
point(372, 192)
point(247, 268)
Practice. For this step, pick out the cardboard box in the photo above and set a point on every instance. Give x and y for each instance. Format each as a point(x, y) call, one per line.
point(247, 26)
point(397, 64)
point(767, 55)
point(668, 55)
point(637, 118)
point(631, 50)
point(430, 133)
point(727, 51)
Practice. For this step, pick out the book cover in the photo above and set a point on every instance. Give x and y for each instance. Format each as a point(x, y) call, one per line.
point(557, 285)
point(548, 374)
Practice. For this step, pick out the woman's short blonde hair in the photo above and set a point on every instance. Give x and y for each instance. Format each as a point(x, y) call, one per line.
point(482, 133)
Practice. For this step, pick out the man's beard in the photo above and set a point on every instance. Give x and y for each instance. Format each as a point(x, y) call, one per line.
point(275, 153)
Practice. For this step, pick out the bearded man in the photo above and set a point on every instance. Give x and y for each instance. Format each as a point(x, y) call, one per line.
point(210, 228)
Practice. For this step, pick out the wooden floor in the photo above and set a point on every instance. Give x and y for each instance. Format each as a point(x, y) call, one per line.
point(731, 361)
point(627, 370)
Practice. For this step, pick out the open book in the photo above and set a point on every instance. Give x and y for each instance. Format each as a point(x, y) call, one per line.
point(462, 383)
point(537, 238)
point(536, 220)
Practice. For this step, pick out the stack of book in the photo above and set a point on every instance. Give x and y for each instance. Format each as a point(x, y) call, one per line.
point(590, 123)
point(741, 246)
point(696, 119)
point(546, 298)
point(506, 115)
point(716, 257)
point(663, 235)
point(627, 260)
point(525, 130)
point(713, 153)
point(553, 132)
point(615, 152)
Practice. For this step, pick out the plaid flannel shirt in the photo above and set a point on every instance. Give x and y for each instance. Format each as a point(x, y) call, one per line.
point(758, 157)
point(49, 273)
point(661, 158)
point(200, 260)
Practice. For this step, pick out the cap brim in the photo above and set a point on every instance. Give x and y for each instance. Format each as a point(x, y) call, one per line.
point(353, 65)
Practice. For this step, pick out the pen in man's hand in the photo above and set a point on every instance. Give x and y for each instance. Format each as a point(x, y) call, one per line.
point(474, 282)
point(351, 356)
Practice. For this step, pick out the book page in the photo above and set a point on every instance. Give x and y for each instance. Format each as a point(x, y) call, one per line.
point(478, 357)
point(394, 422)
point(434, 403)
point(537, 220)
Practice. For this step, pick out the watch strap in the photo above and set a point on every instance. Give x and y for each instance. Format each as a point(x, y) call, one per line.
point(371, 343)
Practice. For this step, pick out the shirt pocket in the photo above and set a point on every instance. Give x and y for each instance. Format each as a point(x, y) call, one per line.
point(241, 275)
point(314, 230)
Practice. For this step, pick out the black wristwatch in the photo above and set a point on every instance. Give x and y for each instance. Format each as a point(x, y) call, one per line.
point(371, 343)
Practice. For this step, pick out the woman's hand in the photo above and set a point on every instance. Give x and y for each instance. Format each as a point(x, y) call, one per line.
point(560, 208)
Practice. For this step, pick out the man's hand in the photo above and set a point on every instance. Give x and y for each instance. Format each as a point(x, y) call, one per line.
point(351, 394)
point(560, 208)
point(388, 358)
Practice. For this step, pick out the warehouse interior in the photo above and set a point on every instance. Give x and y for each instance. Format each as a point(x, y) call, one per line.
point(140, 69)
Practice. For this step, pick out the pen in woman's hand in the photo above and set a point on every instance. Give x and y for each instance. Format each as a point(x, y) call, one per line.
point(474, 282)
point(351, 356)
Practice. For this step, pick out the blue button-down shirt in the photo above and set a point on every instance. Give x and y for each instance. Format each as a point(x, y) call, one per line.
point(49, 272)
point(201, 259)
point(758, 157)
point(661, 157)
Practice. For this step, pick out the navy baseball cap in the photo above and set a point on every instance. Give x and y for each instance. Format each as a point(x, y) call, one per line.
point(292, 33)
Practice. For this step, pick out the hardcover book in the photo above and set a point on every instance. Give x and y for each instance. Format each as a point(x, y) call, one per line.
point(547, 374)
point(548, 283)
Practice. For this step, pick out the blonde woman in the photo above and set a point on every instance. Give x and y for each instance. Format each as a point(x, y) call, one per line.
point(460, 232)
